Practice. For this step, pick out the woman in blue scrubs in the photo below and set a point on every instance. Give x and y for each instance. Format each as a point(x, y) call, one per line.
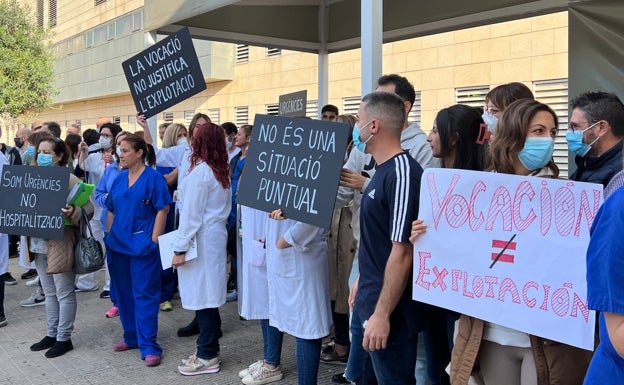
point(138, 203)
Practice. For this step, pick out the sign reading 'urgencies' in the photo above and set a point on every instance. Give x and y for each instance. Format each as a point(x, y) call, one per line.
point(164, 74)
point(32, 198)
point(294, 164)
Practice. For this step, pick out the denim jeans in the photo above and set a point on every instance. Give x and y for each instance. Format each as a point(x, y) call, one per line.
point(308, 352)
point(396, 363)
point(209, 321)
point(60, 299)
point(272, 343)
point(359, 367)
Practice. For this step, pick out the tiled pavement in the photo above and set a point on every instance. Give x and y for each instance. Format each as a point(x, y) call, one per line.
point(93, 361)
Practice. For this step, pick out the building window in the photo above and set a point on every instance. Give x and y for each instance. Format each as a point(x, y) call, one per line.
point(117, 120)
point(351, 104)
point(132, 123)
point(110, 31)
point(414, 114)
point(52, 13)
point(215, 115)
point(272, 109)
point(40, 13)
point(98, 2)
point(168, 117)
point(471, 96)
point(242, 115)
point(137, 21)
point(312, 109)
point(188, 116)
point(272, 52)
point(124, 26)
point(242, 53)
point(555, 94)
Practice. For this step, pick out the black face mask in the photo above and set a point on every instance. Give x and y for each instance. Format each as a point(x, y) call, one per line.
point(18, 142)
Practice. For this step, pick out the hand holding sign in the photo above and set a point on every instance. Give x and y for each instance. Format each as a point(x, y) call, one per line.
point(164, 74)
point(418, 227)
point(294, 164)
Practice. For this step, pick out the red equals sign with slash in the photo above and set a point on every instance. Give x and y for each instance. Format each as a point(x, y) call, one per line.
point(503, 246)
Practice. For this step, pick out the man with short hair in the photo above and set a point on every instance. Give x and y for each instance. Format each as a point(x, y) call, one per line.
point(595, 135)
point(53, 127)
point(100, 122)
point(36, 125)
point(329, 112)
point(73, 129)
point(22, 143)
point(383, 303)
point(354, 179)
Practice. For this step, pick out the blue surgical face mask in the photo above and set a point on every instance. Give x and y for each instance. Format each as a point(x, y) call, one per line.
point(356, 137)
point(30, 150)
point(575, 141)
point(491, 120)
point(44, 160)
point(537, 152)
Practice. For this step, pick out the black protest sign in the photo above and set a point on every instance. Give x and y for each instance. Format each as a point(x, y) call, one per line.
point(293, 104)
point(294, 164)
point(32, 199)
point(164, 74)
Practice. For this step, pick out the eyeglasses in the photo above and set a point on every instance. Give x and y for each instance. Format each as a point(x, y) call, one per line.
point(574, 126)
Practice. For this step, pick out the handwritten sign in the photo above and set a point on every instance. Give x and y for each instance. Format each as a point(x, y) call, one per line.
point(294, 164)
point(164, 74)
point(32, 199)
point(509, 250)
point(293, 104)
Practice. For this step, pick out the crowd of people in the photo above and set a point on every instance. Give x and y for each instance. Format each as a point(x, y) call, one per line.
point(300, 279)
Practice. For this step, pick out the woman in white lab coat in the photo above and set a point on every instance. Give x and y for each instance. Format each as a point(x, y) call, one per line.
point(298, 288)
point(204, 207)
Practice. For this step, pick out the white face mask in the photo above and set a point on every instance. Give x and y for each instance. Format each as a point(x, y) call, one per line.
point(228, 144)
point(118, 152)
point(181, 140)
point(105, 142)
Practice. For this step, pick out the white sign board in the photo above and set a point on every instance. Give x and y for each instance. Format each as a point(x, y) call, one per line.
point(509, 250)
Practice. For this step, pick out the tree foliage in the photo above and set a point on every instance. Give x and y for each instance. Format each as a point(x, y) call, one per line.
point(26, 64)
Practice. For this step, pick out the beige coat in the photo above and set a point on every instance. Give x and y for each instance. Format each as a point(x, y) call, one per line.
point(556, 363)
point(340, 252)
point(60, 256)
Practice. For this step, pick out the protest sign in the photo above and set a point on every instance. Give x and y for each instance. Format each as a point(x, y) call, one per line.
point(293, 104)
point(294, 164)
point(164, 74)
point(509, 250)
point(32, 199)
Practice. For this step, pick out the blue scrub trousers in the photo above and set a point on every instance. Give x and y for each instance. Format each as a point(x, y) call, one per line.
point(136, 282)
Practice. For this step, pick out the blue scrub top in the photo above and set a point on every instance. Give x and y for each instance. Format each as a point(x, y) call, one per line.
point(135, 210)
point(605, 285)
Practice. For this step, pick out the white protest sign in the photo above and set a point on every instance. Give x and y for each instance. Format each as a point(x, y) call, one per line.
point(540, 228)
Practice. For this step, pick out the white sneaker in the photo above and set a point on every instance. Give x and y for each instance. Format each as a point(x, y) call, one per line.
point(33, 282)
point(195, 365)
point(256, 365)
point(263, 375)
point(35, 299)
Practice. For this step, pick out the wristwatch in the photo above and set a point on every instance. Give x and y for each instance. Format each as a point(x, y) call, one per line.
point(179, 252)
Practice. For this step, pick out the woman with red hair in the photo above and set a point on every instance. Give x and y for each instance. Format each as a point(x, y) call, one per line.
point(204, 207)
